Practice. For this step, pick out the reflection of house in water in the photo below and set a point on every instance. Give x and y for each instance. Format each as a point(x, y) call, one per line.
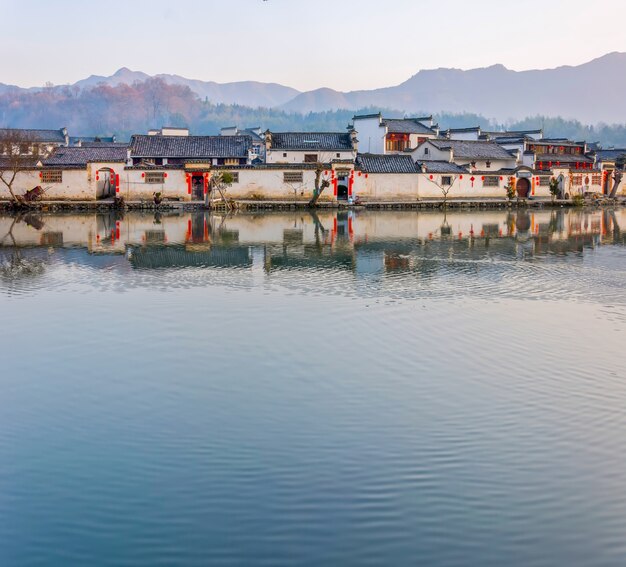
point(180, 256)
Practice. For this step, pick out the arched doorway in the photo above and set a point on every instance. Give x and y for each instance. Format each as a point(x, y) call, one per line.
point(523, 187)
point(105, 183)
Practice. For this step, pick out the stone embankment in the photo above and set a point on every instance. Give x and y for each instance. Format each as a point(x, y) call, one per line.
point(258, 205)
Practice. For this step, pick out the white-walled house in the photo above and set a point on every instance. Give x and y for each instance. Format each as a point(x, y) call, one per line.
point(310, 147)
point(381, 178)
point(33, 142)
point(379, 135)
point(475, 155)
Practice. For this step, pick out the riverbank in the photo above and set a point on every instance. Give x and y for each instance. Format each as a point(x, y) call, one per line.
point(273, 205)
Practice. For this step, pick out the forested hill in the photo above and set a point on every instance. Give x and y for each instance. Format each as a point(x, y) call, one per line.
point(124, 110)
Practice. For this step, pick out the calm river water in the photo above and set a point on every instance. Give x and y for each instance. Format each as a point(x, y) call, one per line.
point(392, 388)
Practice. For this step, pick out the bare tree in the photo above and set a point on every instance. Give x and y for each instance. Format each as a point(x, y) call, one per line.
point(18, 152)
point(321, 181)
point(445, 189)
point(220, 181)
point(617, 179)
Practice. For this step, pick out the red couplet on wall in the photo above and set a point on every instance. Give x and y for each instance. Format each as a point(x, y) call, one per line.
point(117, 182)
point(335, 186)
point(188, 184)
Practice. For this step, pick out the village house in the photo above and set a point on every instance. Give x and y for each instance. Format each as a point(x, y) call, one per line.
point(310, 147)
point(33, 142)
point(257, 152)
point(378, 135)
point(490, 168)
point(83, 173)
point(187, 159)
point(380, 177)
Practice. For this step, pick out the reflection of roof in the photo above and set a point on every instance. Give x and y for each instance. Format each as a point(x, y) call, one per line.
point(85, 155)
point(406, 126)
point(176, 256)
point(434, 166)
point(52, 136)
point(473, 149)
point(311, 141)
point(378, 163)
point(190, 146)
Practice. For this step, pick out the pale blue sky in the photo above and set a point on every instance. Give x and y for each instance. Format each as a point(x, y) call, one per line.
point(342, 44)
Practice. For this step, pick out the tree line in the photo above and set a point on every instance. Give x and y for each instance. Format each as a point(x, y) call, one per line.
point(124, 110)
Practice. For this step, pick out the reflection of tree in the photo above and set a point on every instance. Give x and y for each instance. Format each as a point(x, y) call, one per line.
point(15, 267)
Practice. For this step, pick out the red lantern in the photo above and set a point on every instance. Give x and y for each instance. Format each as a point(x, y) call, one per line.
point(482, 178)
point(431, 177)
point(460, 177)
point(41, 175)
point(143, 175)
point(501, 178)
point(165, 174)
point(360, 173)
point(367, 175)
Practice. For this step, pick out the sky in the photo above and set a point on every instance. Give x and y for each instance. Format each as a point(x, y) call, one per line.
point(305, 44)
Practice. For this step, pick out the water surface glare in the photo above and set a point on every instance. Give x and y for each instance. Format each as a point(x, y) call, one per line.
point(340, 388)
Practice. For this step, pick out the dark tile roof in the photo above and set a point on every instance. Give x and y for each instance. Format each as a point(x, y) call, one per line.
point(563, 158)
point(104, 144)
point(472, 149)
point(43, 136)
point(468, 129)
point(378, 163)
point(25, 162)
point(311, 141)
point(190, 146)
point(82, 155)
point(406, 126)
point(366, 116)
point(611, 155)
point(513, 133)
point(436, 166)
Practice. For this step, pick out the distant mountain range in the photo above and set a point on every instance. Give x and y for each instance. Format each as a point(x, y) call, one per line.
point(592, 92)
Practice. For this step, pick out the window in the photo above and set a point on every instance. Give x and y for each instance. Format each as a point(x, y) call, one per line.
point(487, 164)
point(544, 181)
point(426, 151)
point(231, 161)
point(284, 155)
point(235, 176)
point(596, 179)
point(310, 158)
point(577, 179)
point(52, 176)
point(293, 177)
point(446, 180)
point(338, 155)
point(473, 164)
point(24, 148)
point(491, 181)
point(155, 177)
